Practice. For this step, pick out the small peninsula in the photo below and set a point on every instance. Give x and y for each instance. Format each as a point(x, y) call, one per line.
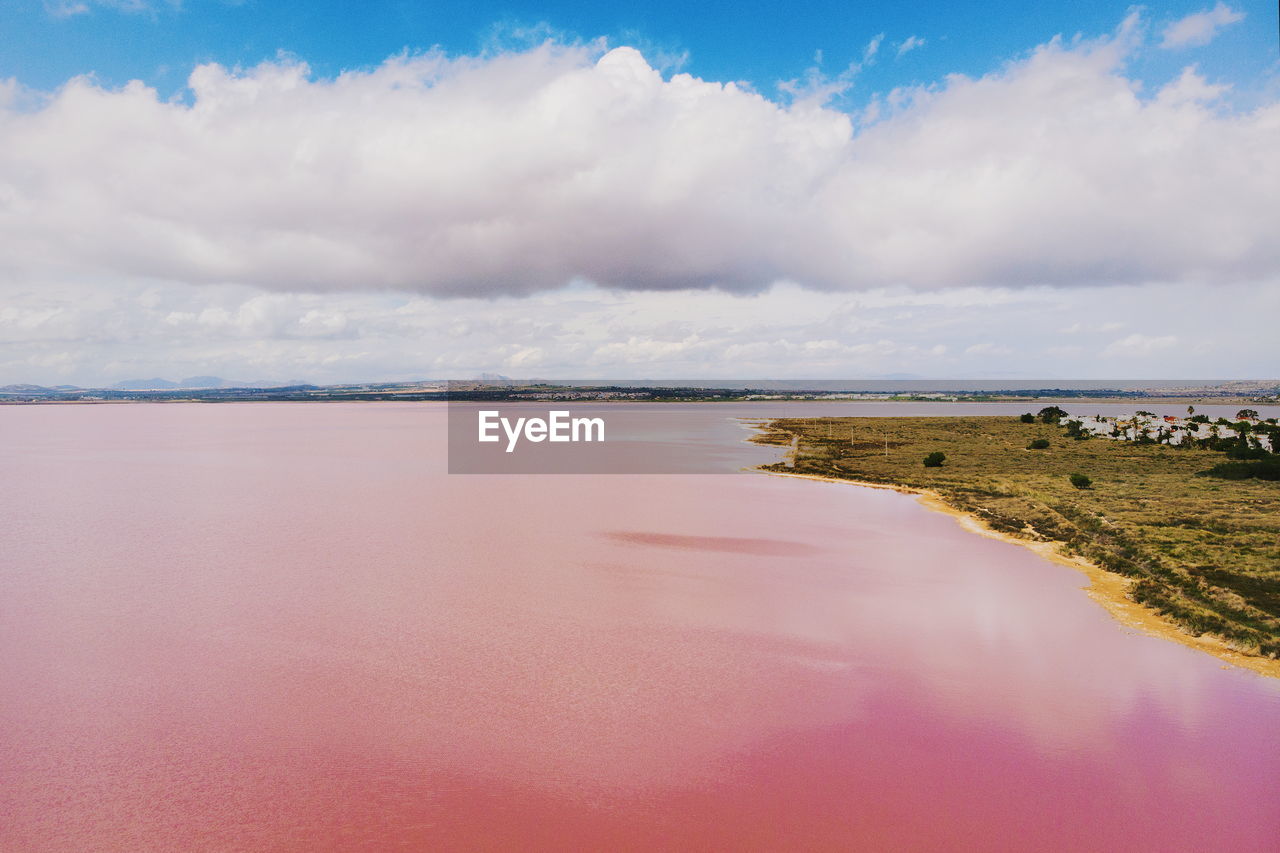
point(1174, 540)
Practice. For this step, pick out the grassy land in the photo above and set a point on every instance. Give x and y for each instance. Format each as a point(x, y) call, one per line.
point(1202, 551)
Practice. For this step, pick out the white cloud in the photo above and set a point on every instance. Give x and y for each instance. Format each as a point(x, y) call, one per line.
point(1094, 328)
point(519, 172)
point(1142, 345)
point(84, 333)
point(987, 348)
point(872, 48)
point(816, 88)
point(71, 8)
point(1201, 27)
point(911, 43)
point(66, 8)
point(442, 217)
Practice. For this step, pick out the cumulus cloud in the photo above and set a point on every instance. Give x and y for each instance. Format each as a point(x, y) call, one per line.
point(1201, 27)
point(517, 172)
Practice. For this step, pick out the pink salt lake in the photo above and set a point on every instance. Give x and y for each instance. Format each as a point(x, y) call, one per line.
point(284, 627)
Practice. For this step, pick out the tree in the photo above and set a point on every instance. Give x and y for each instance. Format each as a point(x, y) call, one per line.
point(1242, 448)
point(1246, 413)
point(1038, 444)
point(1080, 481)
point(1052, 414)
point(934, 459)
point(1028, 418)
point(1191, 410)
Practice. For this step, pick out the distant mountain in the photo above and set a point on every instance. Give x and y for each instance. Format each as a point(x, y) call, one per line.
point(261, 383)
point(197, 383)
point(202, 382)
point(156, 384)
point(22, 389)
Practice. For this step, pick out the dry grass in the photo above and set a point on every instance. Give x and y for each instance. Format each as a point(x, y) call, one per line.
point(1202, 551)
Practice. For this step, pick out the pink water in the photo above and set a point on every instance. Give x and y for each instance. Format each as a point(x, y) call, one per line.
point(283, 627)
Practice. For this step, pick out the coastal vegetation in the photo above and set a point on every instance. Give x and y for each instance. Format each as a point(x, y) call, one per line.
point(1198, 540)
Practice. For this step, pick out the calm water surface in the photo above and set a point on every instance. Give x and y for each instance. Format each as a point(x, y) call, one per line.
point(283, 627)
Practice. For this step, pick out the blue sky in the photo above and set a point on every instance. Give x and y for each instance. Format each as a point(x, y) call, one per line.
point(42, 44)
point(298, 191)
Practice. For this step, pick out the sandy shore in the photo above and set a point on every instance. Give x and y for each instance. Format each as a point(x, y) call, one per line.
point(1107, 588)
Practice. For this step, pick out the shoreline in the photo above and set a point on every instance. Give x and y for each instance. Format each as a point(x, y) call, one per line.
point(392, 397)
point(1108, 589)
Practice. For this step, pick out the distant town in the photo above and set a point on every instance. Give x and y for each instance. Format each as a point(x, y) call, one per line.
point(1146, 427)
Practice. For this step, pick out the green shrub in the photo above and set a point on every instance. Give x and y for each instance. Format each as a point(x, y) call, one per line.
point(1028, 418)
point(934, 459)
point(1052, 414)
point(1241, 450)
point(1080, 481)
point(1038, 444)
point(1263, 469)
